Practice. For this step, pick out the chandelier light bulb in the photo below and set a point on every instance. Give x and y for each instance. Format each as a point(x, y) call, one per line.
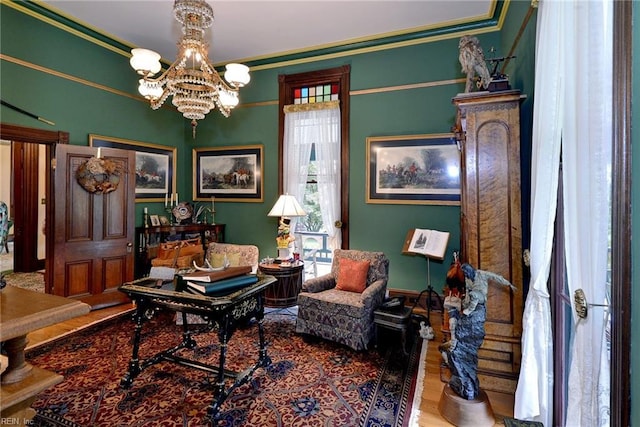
point(149, 90)
point(145, 61)
point(237, 74)
point(229, 98)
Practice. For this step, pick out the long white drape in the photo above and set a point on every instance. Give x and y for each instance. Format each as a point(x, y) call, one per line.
point(302, 129)
point(587, 144)
point(534, 393)
point(572, 109)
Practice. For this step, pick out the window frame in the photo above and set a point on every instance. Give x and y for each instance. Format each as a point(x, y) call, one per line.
point(287, 83)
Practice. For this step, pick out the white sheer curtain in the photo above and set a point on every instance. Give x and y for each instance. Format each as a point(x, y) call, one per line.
point(305, 125)
point(587, 143)
point(534, 393)
point(572, 109)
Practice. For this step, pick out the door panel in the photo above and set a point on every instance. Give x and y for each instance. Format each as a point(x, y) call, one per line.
point(94, 232)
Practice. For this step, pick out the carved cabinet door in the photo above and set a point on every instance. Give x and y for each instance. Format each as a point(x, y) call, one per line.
point(491, 224)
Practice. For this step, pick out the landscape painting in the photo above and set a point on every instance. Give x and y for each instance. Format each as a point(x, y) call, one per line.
point(155, 166)
point(415, 169)
point(228, 173)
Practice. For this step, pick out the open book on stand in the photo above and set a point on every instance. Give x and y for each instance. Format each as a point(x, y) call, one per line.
point(430, 243)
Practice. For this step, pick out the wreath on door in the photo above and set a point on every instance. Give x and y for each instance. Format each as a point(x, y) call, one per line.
point(99, 175)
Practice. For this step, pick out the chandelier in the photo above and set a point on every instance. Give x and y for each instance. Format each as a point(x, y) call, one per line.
point(195, 86)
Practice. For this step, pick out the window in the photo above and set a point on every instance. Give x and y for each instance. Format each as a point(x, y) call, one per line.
point(312, 88)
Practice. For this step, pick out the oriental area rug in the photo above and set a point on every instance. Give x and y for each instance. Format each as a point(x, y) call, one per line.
point(316, 383)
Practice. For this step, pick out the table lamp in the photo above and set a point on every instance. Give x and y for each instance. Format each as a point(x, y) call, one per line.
point(286, 207)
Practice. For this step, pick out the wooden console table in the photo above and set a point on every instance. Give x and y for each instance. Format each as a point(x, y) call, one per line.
point(148, 239)
point(225, 312)
point(23, 311)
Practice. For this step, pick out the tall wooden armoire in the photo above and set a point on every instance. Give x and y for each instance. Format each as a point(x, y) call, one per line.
point(491, 223)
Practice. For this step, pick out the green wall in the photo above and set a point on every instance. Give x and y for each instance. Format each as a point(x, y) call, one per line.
point(81, 87)
point(379, 112)
point(100, 98)
point(88, 89)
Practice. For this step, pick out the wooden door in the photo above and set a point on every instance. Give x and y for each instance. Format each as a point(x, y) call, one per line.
point(26, 167)
point(93, 235)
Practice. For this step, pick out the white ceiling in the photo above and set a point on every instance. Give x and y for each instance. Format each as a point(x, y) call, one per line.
point(245, 30)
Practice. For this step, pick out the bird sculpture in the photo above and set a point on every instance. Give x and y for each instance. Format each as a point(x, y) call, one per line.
point(473, 63)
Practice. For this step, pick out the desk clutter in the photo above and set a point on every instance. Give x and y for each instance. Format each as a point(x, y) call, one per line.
point(180, 253)
point(174, 246)
point(216, 283)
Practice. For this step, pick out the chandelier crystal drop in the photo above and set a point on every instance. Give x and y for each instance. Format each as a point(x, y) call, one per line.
point(195, 86)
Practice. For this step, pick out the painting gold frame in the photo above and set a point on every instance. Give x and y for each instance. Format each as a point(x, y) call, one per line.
point(413, 169)
point(155, 166)
point(230, 174)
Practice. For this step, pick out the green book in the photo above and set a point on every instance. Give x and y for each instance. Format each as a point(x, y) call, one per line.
point(222, 287)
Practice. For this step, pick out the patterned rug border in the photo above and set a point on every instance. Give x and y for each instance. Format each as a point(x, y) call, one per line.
point(408, 388)
point(45, 418)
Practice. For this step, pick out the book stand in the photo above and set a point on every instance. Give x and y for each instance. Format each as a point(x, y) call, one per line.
point(429, 290)
point(430, 244)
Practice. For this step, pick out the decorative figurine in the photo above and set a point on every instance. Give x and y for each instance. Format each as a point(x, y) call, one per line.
point(183, 213)
point(426, 331)
point(472, 60)
point(284, 237)
point(461, 351)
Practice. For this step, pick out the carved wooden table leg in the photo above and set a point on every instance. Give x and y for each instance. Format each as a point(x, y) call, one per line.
point(18, 368)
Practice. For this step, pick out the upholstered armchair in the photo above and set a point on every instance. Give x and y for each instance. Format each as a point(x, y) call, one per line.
point(237, 255)
point(339, 306)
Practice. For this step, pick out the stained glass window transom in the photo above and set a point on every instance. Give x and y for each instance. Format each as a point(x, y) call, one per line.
point(313, 94)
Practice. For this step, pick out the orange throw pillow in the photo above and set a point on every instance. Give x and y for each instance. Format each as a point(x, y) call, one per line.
point(352, 276)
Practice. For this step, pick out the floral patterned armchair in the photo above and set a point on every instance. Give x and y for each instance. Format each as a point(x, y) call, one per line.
point(237, 255)
point(340, 315)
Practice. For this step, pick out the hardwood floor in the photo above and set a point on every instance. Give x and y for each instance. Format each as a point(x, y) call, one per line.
point(502, 404)
point(44, 335)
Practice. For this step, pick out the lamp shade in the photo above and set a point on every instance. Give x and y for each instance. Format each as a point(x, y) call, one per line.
point(237, 74)
point(145, 61)
point(288, 206)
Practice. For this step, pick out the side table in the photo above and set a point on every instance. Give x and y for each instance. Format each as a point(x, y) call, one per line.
point(283, 293)
point(397, 320)
point(23, 311)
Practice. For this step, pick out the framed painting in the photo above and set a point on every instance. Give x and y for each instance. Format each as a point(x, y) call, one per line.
point(230, 174)
point(155, 166)
point(155, 220)
point(413, 169)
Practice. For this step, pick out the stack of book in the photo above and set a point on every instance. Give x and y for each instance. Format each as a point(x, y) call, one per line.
point(218, 283)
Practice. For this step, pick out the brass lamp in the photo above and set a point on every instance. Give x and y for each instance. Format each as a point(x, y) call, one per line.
point(193, 83)
point(286, 207)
